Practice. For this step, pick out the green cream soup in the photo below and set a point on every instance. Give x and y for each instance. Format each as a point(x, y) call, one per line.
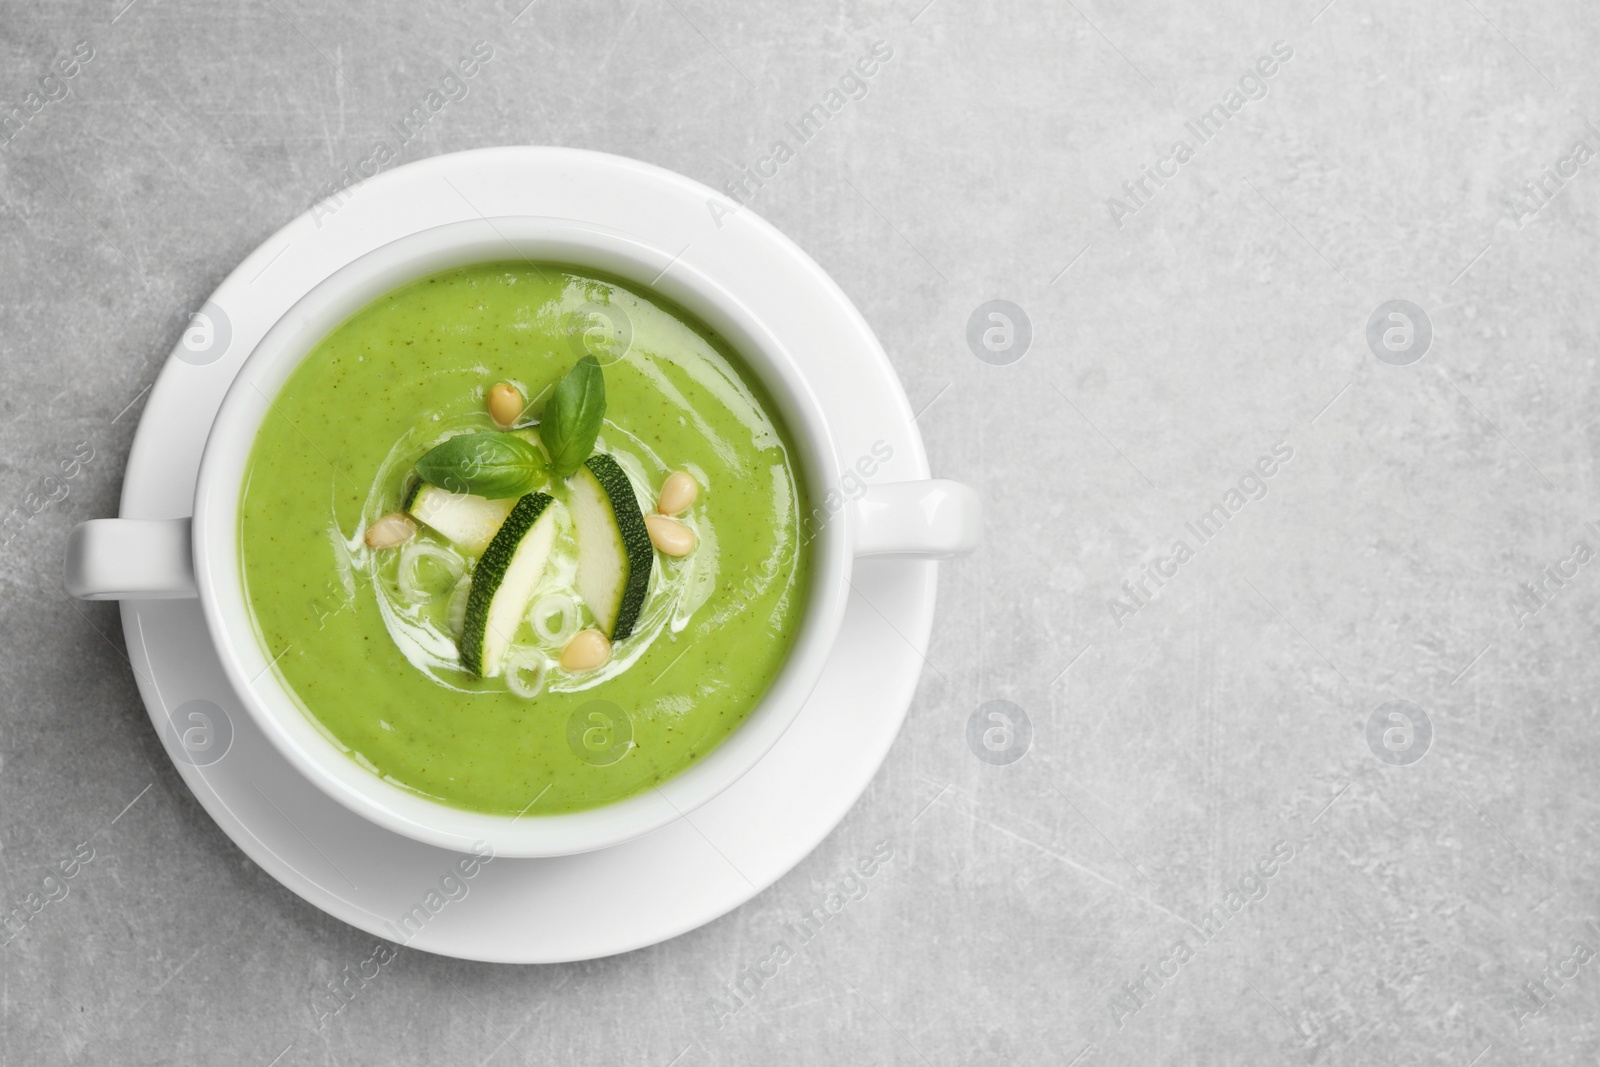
point(368, 639)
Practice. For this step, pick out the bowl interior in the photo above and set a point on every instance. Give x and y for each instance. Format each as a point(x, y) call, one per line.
point(304, 741)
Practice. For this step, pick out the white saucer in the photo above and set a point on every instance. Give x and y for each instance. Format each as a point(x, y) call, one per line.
point(634, 894)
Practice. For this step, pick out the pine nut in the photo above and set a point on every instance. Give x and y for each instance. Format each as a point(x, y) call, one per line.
point(505, 405)
point(587, 650)
point(677, 493)
point(669, 535)
point(391, 530)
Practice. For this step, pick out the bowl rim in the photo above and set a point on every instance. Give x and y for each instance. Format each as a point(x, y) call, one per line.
point(303, 741)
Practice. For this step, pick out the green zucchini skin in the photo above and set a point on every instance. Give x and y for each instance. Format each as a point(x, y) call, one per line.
point(641, 555)
point(491, 569)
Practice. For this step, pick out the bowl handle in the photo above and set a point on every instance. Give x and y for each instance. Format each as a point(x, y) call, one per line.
point(131, 559)
point(932, 519)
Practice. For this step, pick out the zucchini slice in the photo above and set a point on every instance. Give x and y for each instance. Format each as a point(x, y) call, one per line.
point(503, 583)
point(469, 521)
point(614, 551)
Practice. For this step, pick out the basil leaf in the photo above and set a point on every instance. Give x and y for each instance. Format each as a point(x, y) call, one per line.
point(493, 465)
point(572, 418)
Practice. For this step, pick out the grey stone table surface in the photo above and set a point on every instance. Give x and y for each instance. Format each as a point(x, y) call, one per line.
point(1295, 585)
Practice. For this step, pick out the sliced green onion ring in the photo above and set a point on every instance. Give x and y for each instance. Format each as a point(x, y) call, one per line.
point(412, 553)
point(524, 672)
point(557, 606)
point(455, 612)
